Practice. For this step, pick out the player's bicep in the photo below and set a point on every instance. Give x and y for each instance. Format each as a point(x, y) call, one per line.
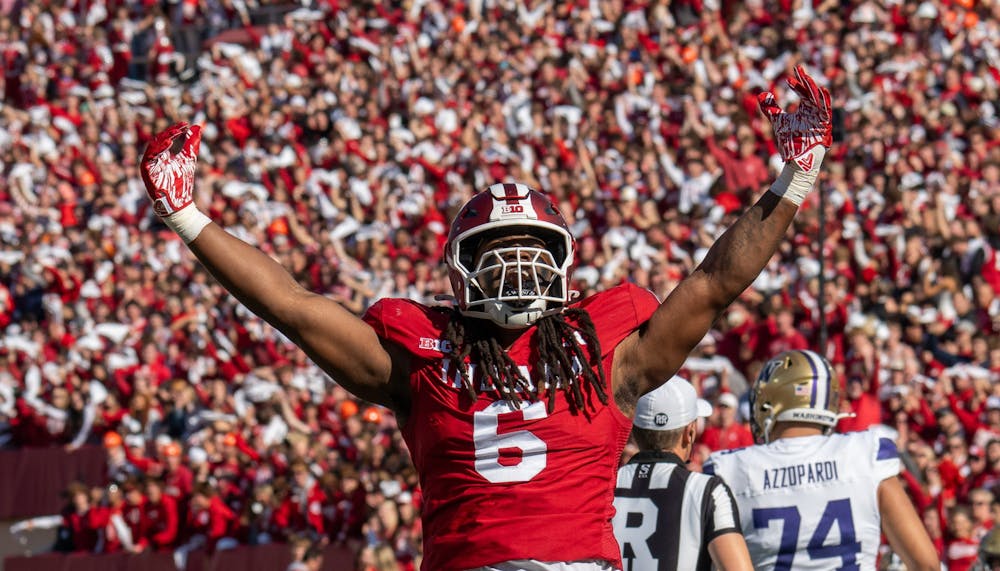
point(674, 329)
point(343, 345)
point(729, 552)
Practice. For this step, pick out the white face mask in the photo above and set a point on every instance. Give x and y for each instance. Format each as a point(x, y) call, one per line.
point(513, 285)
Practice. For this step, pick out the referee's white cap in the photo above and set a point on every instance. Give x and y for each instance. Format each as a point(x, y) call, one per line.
point(672, 405)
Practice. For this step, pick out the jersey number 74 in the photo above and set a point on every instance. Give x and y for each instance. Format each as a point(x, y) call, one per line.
point(836, 512)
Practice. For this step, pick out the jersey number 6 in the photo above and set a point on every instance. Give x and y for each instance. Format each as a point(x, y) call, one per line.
point(489, 443)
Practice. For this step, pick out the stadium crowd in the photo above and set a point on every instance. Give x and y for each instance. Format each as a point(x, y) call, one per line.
point(341, 136)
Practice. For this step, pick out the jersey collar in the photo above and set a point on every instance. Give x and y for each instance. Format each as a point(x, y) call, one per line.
point(647, 456)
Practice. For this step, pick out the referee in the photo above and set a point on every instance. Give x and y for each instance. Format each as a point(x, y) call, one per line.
point(668, 518)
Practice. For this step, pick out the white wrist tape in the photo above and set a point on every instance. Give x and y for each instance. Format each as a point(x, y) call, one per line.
point(187, 222)
point(794, 183)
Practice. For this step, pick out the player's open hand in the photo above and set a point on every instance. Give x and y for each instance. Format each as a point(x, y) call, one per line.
point(169, 177)
point(801, 135)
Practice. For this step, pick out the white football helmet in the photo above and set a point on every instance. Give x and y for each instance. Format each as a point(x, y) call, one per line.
point(512, 285)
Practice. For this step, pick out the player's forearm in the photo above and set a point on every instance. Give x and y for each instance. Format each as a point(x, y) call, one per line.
point(739, 255)
point(904, 529)
point(254, 278)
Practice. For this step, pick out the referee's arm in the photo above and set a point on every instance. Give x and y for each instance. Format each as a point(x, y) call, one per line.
point(726, 545)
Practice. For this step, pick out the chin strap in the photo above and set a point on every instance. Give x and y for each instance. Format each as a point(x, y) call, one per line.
point(766, 429)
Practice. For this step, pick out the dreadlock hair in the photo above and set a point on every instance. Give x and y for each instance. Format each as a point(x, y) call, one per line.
point(558, 349)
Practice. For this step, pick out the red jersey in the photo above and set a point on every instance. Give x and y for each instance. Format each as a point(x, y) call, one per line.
point(213, 522)
point(162, 522)
point(110, 518)
point(500, 483)
point(178, 484)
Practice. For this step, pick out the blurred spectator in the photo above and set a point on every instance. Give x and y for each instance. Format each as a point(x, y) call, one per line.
point(725, 431)
point(378, 557)
point(982, 515)
point(178, 479)
point(302, 509)
point(310, 560)
point(162, 517)
point(209, 524)
point(962, 549)
point(77, 526)
point(862, 405)
point(134, 516)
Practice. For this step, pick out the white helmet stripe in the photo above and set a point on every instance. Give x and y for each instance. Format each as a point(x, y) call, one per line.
point(821, 384)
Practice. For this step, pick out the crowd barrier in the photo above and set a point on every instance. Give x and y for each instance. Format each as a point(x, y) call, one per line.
point(32, 480)
point(274, 557)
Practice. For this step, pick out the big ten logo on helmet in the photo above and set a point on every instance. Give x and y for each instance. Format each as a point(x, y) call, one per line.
point(510, 210)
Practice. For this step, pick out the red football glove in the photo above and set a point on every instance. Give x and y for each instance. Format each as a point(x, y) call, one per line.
point(801, 134)
point(169, 178)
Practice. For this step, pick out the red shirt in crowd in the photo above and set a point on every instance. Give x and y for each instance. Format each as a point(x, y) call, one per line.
point(178, 483)
point(787, 342)
point(110, 520)
point(302, 511)
point(134, 516)
point(961, 554)
point(867, 410)
point(162, 521)
point(741, 173)
point(736, 435)
point(214, 522)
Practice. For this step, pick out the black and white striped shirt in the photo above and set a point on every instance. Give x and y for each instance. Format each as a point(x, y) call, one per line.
point(667, 515)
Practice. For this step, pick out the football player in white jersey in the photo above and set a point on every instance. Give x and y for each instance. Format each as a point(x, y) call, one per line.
point(810, 499)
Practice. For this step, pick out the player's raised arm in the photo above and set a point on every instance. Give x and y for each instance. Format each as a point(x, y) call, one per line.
point(339, 342)
point(903, 528)
point(739, 255)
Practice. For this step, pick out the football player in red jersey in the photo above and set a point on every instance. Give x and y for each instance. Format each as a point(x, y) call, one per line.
point(516, 403)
